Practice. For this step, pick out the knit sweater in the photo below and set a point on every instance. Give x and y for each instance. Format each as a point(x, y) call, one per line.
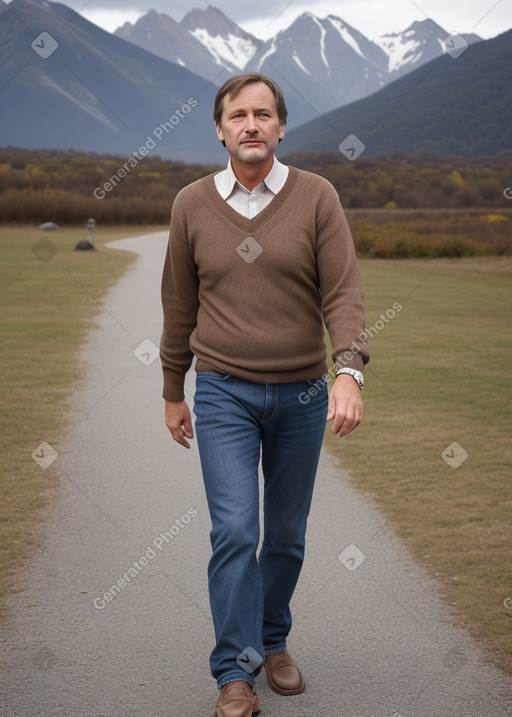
point(249, 297)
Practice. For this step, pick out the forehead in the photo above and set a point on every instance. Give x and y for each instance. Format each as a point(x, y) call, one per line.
point(254, 94)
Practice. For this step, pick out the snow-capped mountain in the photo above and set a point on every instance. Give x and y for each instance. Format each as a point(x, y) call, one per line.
point(420, 43)
point(224, 39)
point(206, 42)
point(325, 61)
point(166, 38)
point(322, 64)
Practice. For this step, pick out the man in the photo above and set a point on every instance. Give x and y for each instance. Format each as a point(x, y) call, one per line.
point(259, 257)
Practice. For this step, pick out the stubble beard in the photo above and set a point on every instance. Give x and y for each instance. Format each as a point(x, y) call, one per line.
point(254, 154)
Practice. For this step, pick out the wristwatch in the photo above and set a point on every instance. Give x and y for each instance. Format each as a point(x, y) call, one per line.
point(357, 375)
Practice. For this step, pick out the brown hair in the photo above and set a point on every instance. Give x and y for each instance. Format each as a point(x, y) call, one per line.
point(233, 86)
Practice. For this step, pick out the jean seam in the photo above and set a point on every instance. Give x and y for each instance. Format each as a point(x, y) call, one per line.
point(274, 407)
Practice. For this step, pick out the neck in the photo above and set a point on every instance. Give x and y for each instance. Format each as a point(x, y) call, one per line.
point(250, 175)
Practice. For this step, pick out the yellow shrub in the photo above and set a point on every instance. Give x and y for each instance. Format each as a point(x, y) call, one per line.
point(495, 218)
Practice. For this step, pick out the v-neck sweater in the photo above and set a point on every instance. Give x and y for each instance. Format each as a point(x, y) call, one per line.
point(249, 297)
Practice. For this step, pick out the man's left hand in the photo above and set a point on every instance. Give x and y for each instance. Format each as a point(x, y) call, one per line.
point(345, 405)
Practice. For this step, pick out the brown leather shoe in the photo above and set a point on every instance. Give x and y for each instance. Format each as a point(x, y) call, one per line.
point(237, 699)
point(283, 675)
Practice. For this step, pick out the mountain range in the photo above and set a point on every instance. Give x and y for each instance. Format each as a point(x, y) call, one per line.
point(65, 83)
point(452, 106)
point(325, 63)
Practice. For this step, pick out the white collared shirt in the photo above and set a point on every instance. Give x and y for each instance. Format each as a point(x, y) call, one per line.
point(241, 199)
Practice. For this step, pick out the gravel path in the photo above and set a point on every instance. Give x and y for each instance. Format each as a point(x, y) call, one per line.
point(115, 620)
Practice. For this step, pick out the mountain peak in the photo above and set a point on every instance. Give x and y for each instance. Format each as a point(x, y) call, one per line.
point(211, 19)
point(427, 25)
point(228, 44)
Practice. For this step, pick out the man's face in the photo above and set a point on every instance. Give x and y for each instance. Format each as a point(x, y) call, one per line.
point(249, 125)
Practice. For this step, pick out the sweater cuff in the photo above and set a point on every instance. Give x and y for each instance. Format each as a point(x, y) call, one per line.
point(350, 360)
point(173, 387)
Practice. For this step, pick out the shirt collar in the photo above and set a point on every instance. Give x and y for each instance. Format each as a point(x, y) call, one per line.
point(275, 179)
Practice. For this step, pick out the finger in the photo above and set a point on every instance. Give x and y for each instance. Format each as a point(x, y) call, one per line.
point(349, 424)
point(339, 420)
point(188, 429)
point(179, 437)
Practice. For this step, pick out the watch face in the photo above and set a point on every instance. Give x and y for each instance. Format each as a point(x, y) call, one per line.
point(359, 378)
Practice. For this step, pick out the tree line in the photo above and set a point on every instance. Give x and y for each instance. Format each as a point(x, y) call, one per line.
point(69, 187)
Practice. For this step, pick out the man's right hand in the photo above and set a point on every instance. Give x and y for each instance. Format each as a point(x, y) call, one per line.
point(179, 422)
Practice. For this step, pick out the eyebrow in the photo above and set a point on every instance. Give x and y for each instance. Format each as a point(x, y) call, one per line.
point(259, 109)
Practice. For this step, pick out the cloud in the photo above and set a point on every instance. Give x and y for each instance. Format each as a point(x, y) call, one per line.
point(265, 18)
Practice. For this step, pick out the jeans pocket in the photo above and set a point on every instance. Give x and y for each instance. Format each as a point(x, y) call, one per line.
point(217, 375)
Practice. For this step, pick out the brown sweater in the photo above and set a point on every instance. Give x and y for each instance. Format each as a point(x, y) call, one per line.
point(249, 297)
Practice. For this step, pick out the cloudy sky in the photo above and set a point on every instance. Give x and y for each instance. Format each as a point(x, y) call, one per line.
point(264, 18)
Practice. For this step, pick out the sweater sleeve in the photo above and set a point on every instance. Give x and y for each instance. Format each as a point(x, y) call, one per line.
point(341, 287)
point(180, 303)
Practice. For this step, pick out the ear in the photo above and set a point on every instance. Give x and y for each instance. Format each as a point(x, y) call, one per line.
point(281, 131)
point(220, 133)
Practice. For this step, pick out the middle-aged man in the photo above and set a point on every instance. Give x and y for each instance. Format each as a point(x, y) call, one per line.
point(259, 257)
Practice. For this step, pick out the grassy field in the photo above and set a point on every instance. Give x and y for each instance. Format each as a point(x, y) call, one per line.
point(439, 383)
point(49, 296)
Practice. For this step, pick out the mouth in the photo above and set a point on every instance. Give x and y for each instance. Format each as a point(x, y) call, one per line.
point(252, 142)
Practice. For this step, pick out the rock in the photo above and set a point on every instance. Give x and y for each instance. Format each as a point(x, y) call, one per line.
point(49, 227)
point(84, 245)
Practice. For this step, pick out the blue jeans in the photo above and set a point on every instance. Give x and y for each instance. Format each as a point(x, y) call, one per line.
point(236, 422)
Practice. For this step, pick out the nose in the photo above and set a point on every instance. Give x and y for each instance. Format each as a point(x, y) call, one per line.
point(251, 126)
